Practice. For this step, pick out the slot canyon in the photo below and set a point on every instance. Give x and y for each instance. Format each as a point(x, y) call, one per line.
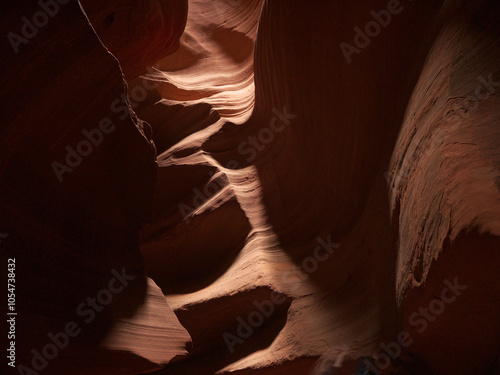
point(250, 187)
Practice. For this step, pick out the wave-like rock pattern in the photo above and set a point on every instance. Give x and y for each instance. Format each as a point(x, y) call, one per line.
point(445, 197)
point(73, 226)
point(310, 199)
point(340, 168)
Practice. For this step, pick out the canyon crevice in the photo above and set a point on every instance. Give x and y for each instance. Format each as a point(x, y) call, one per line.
point(255, 184)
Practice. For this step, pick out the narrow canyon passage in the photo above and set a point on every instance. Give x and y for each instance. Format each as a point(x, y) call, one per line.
point(269, 186)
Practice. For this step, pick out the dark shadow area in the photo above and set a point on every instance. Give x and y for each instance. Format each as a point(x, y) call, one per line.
point(210, 353)
point(173, 123)
point(191, 257)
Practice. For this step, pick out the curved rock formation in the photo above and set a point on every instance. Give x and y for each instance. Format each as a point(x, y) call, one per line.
point(138, 33)
point(445, 198)
point(339, 128)
point(328, 184)
point(76, 184)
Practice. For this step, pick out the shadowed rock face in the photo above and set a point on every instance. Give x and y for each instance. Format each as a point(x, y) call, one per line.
point(317, 179)
point(138, 33)
point(444, 195)
point(76, 185)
